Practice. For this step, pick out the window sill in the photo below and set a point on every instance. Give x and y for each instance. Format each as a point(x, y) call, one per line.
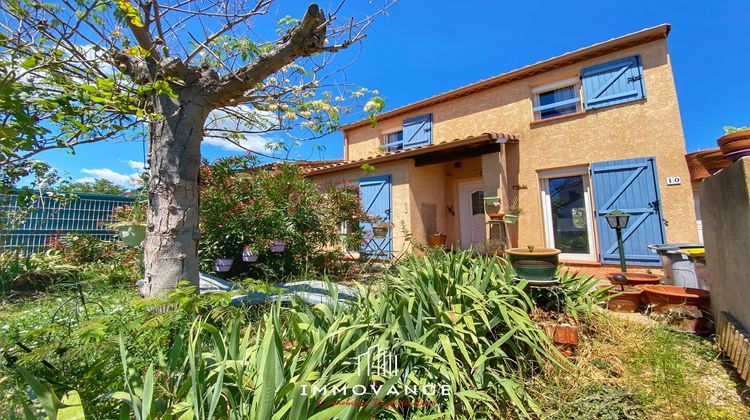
point(536, 123)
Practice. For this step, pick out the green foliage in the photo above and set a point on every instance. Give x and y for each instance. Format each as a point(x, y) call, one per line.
point(729, 129)
point(244, 205)
point(449, 318)
point(98, 186)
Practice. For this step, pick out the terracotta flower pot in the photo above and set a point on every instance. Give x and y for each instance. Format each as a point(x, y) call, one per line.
point(735, 145)
point(624, 301)
point(538, 264)
point(661, 296)
point(496, 216)
point(713, 160)
point(564, 336)
point(635, 279)
point(697, 171)
point(436, 240)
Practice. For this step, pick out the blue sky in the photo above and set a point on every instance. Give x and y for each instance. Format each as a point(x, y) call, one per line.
point(426, 47)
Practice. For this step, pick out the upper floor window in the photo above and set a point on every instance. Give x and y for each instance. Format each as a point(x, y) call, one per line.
point(555, 99)
point(393, 141)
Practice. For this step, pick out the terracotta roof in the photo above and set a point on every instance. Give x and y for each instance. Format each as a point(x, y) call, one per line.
point(586, 53)
point(304, 164)
point(412, 152)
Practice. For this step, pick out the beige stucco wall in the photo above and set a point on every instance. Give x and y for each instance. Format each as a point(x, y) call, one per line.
point(725, 210)
point(400, 194)
point(650, 127)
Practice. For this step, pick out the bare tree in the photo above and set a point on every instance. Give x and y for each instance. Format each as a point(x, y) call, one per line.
point(83, 71)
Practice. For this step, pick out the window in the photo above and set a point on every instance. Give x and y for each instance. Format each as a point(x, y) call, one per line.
point(393, 141)
point(555, 99)
point(477, 202)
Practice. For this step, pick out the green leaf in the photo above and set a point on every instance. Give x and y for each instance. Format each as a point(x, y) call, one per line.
point(48, 399)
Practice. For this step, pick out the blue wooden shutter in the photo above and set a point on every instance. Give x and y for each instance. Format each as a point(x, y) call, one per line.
point(614, 82)
point(629, 185)
point(375, 193)
point(418, 131)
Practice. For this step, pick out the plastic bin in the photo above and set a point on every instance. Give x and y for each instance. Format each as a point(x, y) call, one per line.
point(684, 264)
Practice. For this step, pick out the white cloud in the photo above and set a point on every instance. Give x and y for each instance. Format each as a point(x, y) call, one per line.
point(252, 120)
point(249, 142)
point(134, 164)
point(109, 175)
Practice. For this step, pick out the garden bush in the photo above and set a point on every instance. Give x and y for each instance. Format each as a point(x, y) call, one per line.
point(245, 205)
point(449, 318)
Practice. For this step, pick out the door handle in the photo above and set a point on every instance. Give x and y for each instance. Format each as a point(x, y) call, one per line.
point(654, 205)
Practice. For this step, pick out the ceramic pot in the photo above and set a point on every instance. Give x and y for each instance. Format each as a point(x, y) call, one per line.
point(661, 296)
point(498, 217)
point(713, 160)
point(379, 232)
point(249, 256)
point(510, 218)
point(436, 240)
point(635, 279)
point(624, 300)
point(222, 265)
point(492, 205)
point(132, 235)
point(536, 265)
point(735, 145)
point(697, 171)
point(277, 245)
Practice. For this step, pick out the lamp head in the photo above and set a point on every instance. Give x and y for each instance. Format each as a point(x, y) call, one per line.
point(617, 219)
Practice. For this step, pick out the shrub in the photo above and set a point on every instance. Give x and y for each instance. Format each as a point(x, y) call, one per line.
point(244, 205)
point(449, 318)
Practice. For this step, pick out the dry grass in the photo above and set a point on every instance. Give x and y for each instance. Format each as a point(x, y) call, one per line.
point(631, 367)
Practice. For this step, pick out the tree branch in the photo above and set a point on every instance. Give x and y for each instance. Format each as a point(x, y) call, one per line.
point(303, 40)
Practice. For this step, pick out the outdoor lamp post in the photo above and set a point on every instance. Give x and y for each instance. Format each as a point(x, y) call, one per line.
point(618, 220)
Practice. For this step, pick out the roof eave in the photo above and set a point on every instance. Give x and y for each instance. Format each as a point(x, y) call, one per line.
point(500, 138)
point(586, 53)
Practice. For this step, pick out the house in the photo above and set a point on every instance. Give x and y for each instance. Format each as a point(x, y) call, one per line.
point(567, 139)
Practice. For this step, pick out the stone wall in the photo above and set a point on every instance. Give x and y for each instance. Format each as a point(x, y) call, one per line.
point(725, 211)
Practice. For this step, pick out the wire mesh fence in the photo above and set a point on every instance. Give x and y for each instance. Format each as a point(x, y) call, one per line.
point(49, 217)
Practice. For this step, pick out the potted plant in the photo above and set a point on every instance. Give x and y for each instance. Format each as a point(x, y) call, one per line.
point(130, 222)
point(380, 229)
point(622, 297)
point(493, 208)
point(534, 264)
point(277, 245)
point(436, 239)
point(713, 160)
point(249, 254)
point(513, 212)
point(222, 265)
point(735, 143)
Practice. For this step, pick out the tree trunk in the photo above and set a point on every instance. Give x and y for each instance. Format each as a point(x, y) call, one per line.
point(171, 245)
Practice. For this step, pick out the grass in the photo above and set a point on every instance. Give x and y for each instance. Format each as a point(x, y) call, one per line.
point(46, 317)
point(627, 367)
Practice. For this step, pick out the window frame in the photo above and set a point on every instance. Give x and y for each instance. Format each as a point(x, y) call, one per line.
point(397, 145)
point(537, 109)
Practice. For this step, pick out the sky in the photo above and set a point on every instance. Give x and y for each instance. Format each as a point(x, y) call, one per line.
point(422, 48)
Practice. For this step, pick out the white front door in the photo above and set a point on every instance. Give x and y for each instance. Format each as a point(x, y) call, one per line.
point(568, 215)
point(471, 213)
